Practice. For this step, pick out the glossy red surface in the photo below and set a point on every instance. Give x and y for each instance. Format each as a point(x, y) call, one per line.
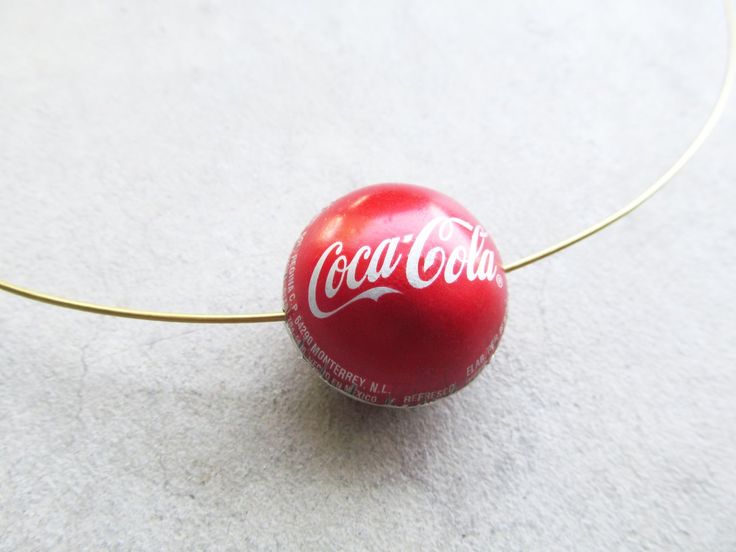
point(396, 295)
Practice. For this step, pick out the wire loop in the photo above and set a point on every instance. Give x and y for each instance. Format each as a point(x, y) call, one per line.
point(700, 138)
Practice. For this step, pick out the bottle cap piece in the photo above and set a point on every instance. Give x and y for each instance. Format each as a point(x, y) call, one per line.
point(396, 295)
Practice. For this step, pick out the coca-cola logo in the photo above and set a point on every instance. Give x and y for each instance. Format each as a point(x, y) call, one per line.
point(423, 265)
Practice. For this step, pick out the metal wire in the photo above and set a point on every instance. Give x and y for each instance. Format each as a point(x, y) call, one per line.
point(143, 315)
point(658, 184)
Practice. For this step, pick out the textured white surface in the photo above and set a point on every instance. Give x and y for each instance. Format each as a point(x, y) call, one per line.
point(166, 155)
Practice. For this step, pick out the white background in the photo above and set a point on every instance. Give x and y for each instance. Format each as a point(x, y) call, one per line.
point(166, 155)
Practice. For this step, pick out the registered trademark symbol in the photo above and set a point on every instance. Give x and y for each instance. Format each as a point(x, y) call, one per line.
point(499, 280)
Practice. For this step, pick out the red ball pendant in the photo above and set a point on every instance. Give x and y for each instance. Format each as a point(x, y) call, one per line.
point(396, 295)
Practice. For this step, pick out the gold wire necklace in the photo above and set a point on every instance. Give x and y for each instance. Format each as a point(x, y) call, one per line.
point(378, 261)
